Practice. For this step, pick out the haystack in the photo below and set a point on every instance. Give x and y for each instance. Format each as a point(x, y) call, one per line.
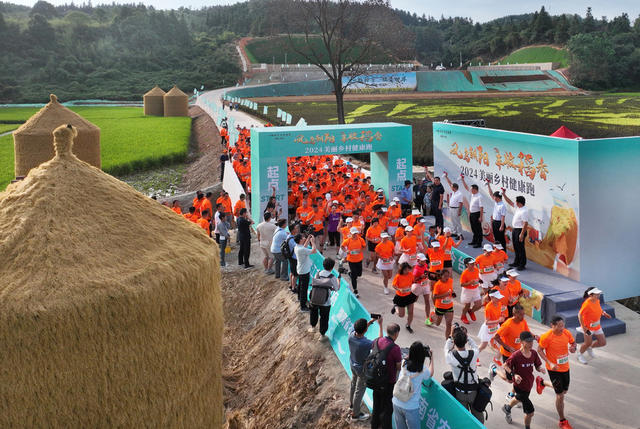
point(33, 141)
point(110, 305)
point(176, 103)
point(154, 102)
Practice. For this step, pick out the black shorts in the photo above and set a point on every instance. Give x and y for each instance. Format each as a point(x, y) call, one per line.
point(371, 246)
point(443, 311)
point(404, 301)
point(522, 396)
point(508, 374)
point(318, 233)
point(448, 264)
point(560, 381)
point(293, 265)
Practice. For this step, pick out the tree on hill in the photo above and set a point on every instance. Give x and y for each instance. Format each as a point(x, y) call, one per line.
point(351, 33)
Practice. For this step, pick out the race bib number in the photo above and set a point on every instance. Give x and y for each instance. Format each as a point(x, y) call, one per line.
point(223, 238)
point(385, 261)
point(493, 329)
point(594, 324)
point(562, 359)
point(447, 301)
point(487, 270)
point(435, 263)
point(354, 252)
point(447, 252)
point(318, 222)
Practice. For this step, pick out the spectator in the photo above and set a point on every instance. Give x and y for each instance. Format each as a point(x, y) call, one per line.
point(244, 234)
point(463, 364)
point(437, 198)
point(359, 349)
point(281, 263)
point(265, 231)
point(294, 230)
point(304, 266)
point(223, 233)
point(382, 398)
point(216, 220)
point(406, 198)
point(322, 311)
point(406, 414)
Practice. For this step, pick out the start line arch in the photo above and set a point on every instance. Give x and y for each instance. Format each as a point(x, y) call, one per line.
point(389, 143)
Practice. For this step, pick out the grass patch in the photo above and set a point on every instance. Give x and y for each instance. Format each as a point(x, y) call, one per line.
point(538, 54)
point(8, 127)
point(129, 140)
point(538, 115)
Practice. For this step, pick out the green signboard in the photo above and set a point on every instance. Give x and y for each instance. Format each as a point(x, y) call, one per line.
point(389, 144)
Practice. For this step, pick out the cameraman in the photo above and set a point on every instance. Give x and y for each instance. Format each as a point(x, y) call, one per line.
point(463, 364)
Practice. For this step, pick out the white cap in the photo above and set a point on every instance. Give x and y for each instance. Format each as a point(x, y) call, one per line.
point(392, 203)
point(327, 195)
point(348, 174)
point(409, 228)
point(496, 294)
point(487, 248)
point(325, 167)
point(396, 199)
point(349, 219)
point(472, 261)
point(423, 220)
point(384, 209)
point(354, 230)
point(415, 212)
point(504, 279)
point(334, 202)
point(404, 222)
point(421, 256)
point(446, 229)
point(384, 235)
point(513, 273)
point(435, 244)
point(498, 246)
point(594, 291)
point(379, 190)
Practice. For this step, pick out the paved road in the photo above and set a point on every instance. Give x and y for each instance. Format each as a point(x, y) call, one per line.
point(602, 394)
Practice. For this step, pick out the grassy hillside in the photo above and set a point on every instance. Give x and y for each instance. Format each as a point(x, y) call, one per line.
point(600, 116)
point(129, 141)
point(538, 54)
point(270, 49)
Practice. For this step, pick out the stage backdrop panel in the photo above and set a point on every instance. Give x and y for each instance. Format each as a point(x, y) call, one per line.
point(609, 212)
point(543, 169)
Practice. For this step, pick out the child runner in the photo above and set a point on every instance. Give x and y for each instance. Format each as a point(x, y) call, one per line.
point(404, 297)
point(492, 319)
point(422, 285)
point(373, 239)
point(384, 252)
point(409, 247)
point(443, 299)
point(515, 290)
point(470, 290)
point(589, 318)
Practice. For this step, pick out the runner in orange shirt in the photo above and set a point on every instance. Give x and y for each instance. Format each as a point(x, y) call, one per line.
point(175, 207)
point(373, 239)
point(436, 259)
point(354, 247)
point(443, 299)
point(500, 258)
point(446, 243)
point(409, 248)
point(515, 290)
point(589, 318)
point(422, 285)
point(492, 319)
point(404, 297)
point(316, 220)
point(508, 336)
point(554, 347)
point(303, 213)
point(395, 214)
point(485, 265)
point(384, 253)
point(470, 290)
point(240, 204)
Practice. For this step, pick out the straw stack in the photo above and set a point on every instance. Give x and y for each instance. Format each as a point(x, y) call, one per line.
point(110, 305)
point(33, 142)
point(154, 102)
point(176, 103)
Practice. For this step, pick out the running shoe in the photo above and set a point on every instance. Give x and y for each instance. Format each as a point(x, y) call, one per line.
point(427, 322)
point(507, 413)
point(497, 361)
point(361, 417)
point(393, 310)
point(510, 395)
point(464, 319)
point(374, 270)
point(431, 316)
point(386, 291)
point(564, 424)
point(582, 359)
point(409, 329)
point(590, 352)
point(539, 385)
point(492, 371)
point(472, 315)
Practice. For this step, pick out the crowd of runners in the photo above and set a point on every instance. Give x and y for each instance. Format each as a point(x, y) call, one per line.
point(334, 209)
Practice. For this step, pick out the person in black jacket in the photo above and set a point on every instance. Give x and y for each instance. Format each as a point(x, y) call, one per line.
point(244, 223)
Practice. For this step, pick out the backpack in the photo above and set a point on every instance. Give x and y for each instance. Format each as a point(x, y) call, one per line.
point(483, 397)
point(467, 385)
point(320, 289)
point(403, 389)
point(375, 367)
point(285, 249)
point(448, 383)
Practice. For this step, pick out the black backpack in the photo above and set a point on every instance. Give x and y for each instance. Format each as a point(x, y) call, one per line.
point(483, 397)
point(285, 249)
point(375, 367)
point(467, 385)
point(320, 289)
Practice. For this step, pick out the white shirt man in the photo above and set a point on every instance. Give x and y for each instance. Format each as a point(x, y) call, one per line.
point(499, 211)
point(520, 216)
point(475, 203)
point(455, 210)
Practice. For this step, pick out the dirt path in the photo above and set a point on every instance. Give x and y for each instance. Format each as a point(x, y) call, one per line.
point(203, 169)
point(276, 374)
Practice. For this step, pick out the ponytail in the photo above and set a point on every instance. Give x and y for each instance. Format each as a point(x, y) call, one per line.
point(586, 292)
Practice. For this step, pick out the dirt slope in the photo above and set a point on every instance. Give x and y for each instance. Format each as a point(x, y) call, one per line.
point(203, 169)
point(276, 374)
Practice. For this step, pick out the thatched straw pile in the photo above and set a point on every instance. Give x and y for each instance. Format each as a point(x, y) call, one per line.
point(110, 305)
point(153, 102)
point(33, 141)
point(176, 103)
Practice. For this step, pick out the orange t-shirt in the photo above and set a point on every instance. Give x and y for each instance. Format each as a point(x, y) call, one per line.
point(446, 243)
point(399, 233)
point(492, 313)
point(402, 284)
point(240, 204)
point(510, 334)
point(355, 247)
point(206, 205)
point(591, 313)
point(348, 209)
point(485, 263)
point(176, 210)
point(409, 242)
point(556, 347)
point(504, 301)
point(468, 275)
point(436, 259)
point(395, 213)
point(441, 287)
point(412, 220)
point(204, 224)
point(373, 234)
point(514, 287)
point(304, 214)
point(499, 258)
point(317, 220)
point(197, 203)
point(384, 250)
point(226, 203)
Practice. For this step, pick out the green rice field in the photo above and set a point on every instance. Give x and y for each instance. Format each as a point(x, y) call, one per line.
point(593, 116)
point(129, 140)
